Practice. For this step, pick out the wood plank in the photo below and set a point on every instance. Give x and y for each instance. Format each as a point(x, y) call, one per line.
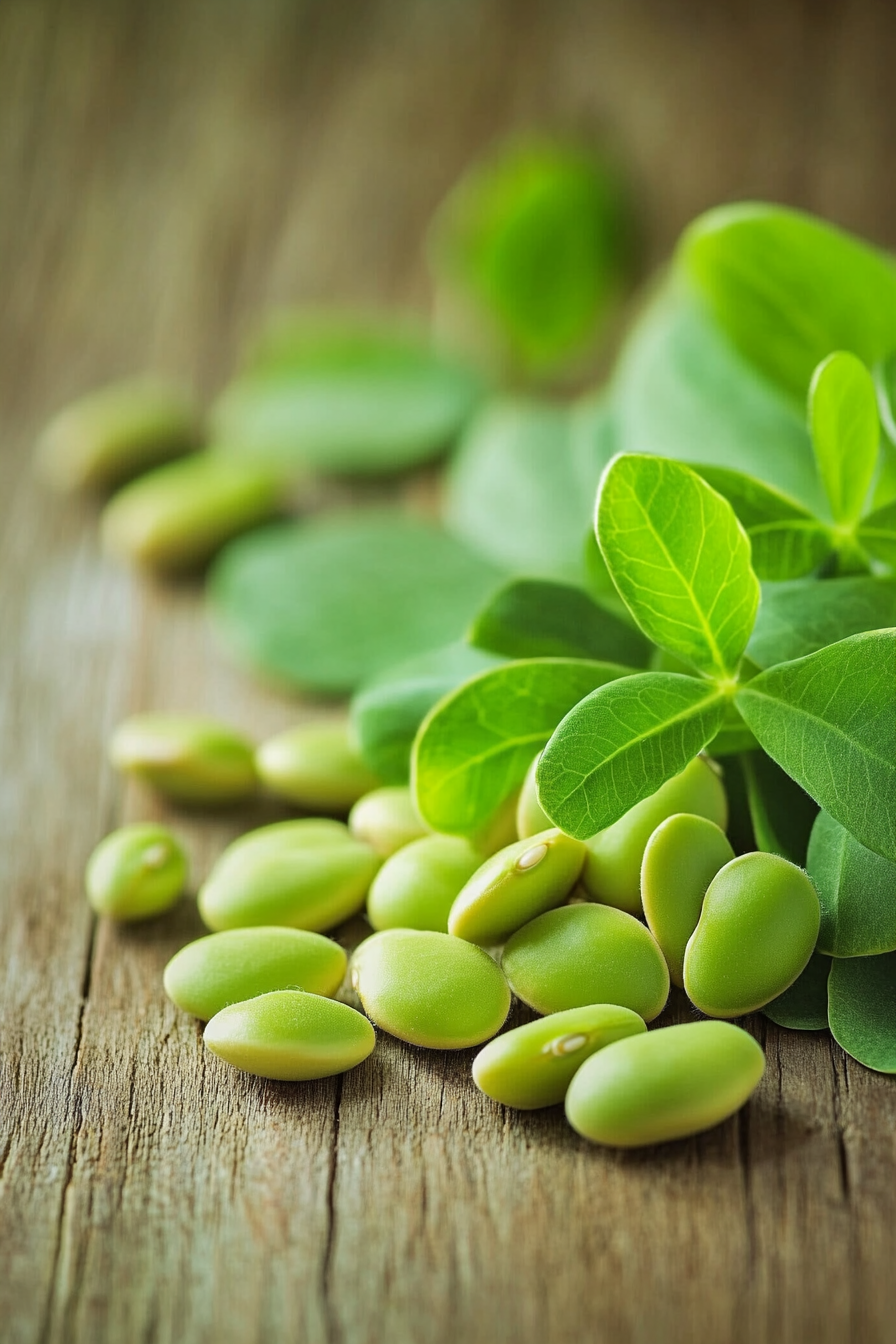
point(165, 172)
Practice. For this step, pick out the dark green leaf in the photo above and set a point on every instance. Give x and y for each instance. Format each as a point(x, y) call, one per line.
point(786, 540)
point(788, 289)
point(621, 744)
point(804, 1006)
point(681, 390)
point(680, 560)
point(474, 748)
point(797, 618)
point(781, 813)
point(345, 397)
point(845, 432)
point(386, 713)
point(328, 604)
point(829, 720)
point(535, 618)
point(517, 489)
point(862, 1009)
point(532, 244)
point(857, 890)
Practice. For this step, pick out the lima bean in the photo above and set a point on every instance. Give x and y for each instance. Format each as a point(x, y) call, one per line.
point(387, 819)
point(530, 816)
point(290, 1036)
point(682, 857)
point(417, 886)
point(136, 872)
point(533, 1065)
point(316, 767)
point(187, 758)
point(665, 1084)
point(515, 885)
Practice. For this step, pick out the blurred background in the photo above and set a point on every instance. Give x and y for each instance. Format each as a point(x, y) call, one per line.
point(167, 170)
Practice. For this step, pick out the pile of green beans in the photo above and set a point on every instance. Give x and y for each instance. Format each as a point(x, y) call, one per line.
point(588, 935)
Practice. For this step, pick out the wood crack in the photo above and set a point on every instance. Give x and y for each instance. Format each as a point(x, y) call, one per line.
point(334, 1329)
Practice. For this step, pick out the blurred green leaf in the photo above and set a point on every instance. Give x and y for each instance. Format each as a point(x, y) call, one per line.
point(536, 618)
point(786, 541)
point(845, 432)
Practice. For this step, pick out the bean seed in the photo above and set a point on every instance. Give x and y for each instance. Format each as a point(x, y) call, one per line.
point(189, 759)
point(315, 766)
point(417, 886)
point(682, 857)
point(136, 872)
point(290, 1036)
point(515, 885)
point(387, 819)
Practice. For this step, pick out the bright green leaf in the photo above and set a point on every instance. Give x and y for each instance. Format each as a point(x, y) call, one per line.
point(788, 289)
point(621, 744)
point(681, 390)
point(680, 560)
point(535, 618)
point(877, 534)
point(797, 618)
point(345, 397)
point(829, 720)
point(781, 813)
point(862, 1009)
point(532, 245)
point(857, 890)
point(330, 603)
point(517, 489)
point(804, 1006)
point(386, 712)
point(786, 540)
point(474, 748)
point(845, 432)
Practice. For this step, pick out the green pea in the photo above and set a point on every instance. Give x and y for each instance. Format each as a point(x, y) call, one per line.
point(682, 857)
point(176, 517)
point(187, 758)
point(315, 766)
point(110, 435)
point(417, 886)
point(291, 1036)
point(136, 872)
point(430, 989)
point(387, 819)
point(293, 874)
point(756, 933)
point(583, 954)
point(612, 872)
point(665, 1084)
point(530, 817)
point(222, 968)
point(515, 885)
point(534, 1065)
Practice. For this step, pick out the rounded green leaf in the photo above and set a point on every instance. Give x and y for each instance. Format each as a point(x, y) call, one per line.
point(786, 541)
point(344, 396)
point(533, 1065)
point(801, 617)
point(475, 746)
point(845, 432)
point(862, 1009)
point(327, 604)
point(536, 618)
point(680, 559)
point(804, 1006)
point(857, 891)
point(788, 289)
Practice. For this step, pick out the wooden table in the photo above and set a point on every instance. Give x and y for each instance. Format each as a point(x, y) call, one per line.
point(167, 170)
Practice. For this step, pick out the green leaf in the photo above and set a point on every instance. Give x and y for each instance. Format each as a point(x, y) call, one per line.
point(680, 560)
point(532, 245)
point(734, 737)
point(328, 604)
point(877, 534)
point(845, 432)
point(857, 891)
point(788, 289)
point(344, 396)
point(474, 748)
point(535, 618)
point(786, 541)
point(829, 720)
point(519, 492)
point(804, 1006)
point(386, 712)
point(797, 618)
point(862, 1009)
point(681, 390)
point(621, 744)
point(781, 813)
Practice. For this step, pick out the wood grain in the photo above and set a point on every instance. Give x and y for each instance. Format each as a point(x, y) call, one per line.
point(167, 171)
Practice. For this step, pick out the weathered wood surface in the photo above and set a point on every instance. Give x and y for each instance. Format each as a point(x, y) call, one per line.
point(166, 170)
